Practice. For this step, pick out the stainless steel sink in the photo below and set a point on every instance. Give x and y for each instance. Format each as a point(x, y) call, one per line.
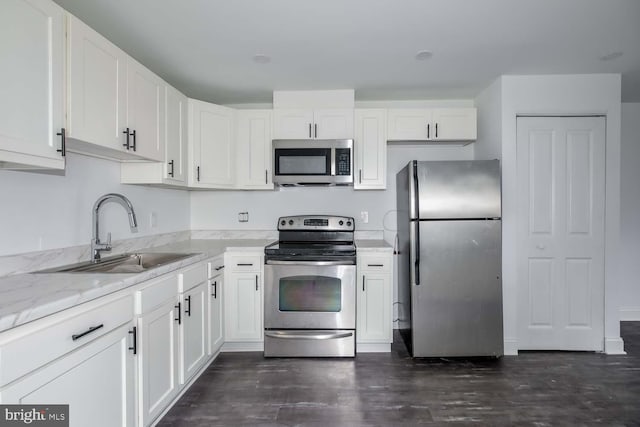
point(125, 263)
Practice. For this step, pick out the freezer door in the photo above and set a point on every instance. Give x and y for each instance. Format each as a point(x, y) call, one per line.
point(457, 307)
point(458, 189)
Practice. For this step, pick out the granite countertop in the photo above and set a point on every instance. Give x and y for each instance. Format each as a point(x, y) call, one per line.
point(30, 296)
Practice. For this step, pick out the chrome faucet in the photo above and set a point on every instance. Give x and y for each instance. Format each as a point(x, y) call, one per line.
point(96, 245)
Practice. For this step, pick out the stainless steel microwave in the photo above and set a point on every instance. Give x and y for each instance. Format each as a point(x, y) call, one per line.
point(313, 162)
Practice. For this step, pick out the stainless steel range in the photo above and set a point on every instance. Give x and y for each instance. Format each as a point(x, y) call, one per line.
point(310, 288)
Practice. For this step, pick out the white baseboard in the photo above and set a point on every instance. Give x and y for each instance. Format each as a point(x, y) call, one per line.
point(242, 346)
point(614, 346)
point(629, 314)
point(373, 348)
point(510, 347)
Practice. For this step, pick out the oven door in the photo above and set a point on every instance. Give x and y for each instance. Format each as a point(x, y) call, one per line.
point(310, 295)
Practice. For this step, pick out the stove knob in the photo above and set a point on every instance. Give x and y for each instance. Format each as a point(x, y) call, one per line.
point(290, 222)
point(341, 222)
point(348, 223)
point(283, 222)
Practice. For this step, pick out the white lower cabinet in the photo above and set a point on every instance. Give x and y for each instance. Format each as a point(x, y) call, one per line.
point(193, 328)
point(374, 302)
point(216, 324)
point(243, 301)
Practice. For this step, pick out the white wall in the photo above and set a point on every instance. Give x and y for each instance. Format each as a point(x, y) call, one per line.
point(562, 95)
point(488, 145)
point(630, 212)
point(219, 209)
point(40, 212)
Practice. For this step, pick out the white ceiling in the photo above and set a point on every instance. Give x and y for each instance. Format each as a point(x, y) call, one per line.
point(205, 48)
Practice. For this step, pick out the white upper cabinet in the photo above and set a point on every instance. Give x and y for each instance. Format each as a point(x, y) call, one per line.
point(145, 112)
point(253, 155)
point(437, 124)
point(115, 105)
point(31, 84)
point(211, 135)
point(370, 147)
point(332, 123)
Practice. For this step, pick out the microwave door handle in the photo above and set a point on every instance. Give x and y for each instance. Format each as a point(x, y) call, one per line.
point(333, 161)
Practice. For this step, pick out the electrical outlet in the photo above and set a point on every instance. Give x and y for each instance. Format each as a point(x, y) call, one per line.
point(153, 219)
point(365, 216)
point(243, 216)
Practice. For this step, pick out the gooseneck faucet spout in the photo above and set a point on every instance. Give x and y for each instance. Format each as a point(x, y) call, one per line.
point(96, 245)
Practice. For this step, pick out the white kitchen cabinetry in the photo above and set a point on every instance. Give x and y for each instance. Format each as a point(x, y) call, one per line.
point(243, 301)
point(211, 136)
point(253, 155)
point(172, 171)
point(157, 328)
point(82, 357)
point(32, 84)
point(370, 147)
point(115, 106)
point(374, 301)
point(216, 289)
point(437, 124)
point(332, 123)
point(193, 319)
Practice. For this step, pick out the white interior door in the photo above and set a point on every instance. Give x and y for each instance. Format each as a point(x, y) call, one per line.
point(561, 182)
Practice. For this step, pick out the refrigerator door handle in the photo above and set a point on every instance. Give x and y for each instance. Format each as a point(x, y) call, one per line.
point(414, 250)
point(415, 236)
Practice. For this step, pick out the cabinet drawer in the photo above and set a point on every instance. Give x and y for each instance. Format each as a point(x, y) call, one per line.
point(27, 353)
point(248, 262)
point(375, 263)
point(192, 276)
point(215, 267)
point(156, 293)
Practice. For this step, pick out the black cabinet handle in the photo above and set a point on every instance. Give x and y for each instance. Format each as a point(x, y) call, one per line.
point(256, 282)
point(428, 136)
point(134, 140)
point(179, 318)
point(126, 144)
point(436, 130)
point(63, 142)
point(215, 289)
point(363, 282)
point(87, 332)
point(266, 176)
point(309, 130)
point(360, 175)
point(187, 310)
point(198, 173)
point(315, 130)
point(134, 332)
point(245, 264)
point(219, 268)
point(375, 265)
point(170, 173)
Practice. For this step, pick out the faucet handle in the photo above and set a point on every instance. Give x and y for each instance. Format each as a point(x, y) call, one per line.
point(109, 240)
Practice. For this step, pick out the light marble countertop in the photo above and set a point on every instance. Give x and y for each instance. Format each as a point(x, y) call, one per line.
point(30, 296)
point(374, 245)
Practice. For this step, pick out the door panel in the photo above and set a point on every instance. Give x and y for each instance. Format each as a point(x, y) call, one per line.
point(561, 232)
point(457, 308)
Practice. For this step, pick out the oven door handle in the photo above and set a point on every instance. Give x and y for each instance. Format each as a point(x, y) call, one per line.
point(308, 335)
point(336, 262)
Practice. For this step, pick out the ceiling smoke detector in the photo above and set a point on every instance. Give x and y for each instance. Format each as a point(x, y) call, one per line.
point(260, 58)
point(423, 55)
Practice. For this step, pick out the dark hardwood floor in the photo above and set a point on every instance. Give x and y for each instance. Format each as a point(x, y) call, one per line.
point(534, 388)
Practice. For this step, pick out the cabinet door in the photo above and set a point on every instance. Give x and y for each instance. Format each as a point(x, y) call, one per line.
point(175, 135)
point(96, 381)
point(333, 124)
point(374, 308)
point(145, 111)
point(194, 331)
point(409, 124)
point(254, 149)
point(31, 83)
point(292, 124)
point(157, 361)
point(454, 124)
point(216, 337)
point(211, 133)
point(370, 149)
point(97, 78)
point(243, 307)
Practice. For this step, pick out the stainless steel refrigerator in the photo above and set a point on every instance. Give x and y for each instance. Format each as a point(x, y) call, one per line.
point(449, 266)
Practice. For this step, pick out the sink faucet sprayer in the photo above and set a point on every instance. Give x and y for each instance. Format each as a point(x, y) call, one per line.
point(96, 245)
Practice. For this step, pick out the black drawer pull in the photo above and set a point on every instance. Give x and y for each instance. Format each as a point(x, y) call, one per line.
point(215, 289)
point(63, 142)
point(245, 265)
point(375, 265)
point(126, 144)
point(187, 310)
point(256, 282)
point(219, 268)
point(179, 318)
point(87, 332)
point(134, 332)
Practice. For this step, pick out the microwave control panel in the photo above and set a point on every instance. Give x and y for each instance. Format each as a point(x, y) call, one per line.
point(343, 161)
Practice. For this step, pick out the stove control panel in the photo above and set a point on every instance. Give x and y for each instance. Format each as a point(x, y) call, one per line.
point(316, 222)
